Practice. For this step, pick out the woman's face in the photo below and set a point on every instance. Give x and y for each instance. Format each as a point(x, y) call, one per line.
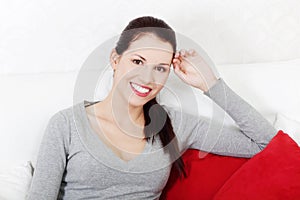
point(142, 70)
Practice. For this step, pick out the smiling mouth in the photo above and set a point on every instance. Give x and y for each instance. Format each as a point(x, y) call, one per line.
point(140, 90)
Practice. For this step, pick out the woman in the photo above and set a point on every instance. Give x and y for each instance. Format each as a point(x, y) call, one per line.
point(123, 147)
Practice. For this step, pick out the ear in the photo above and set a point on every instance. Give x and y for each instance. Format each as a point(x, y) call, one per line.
point(114, 58)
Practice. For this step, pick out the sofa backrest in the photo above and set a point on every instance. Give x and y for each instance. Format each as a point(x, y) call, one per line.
point(30, 100)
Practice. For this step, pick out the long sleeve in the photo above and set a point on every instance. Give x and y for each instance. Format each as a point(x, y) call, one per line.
point(253, 134)
point(51, 160)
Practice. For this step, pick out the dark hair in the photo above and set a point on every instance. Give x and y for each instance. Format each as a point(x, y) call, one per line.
point(163, 31)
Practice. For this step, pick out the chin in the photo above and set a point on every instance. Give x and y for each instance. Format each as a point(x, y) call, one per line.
point(137, 102)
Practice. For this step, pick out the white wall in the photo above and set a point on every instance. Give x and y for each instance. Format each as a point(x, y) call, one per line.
point(56, 35)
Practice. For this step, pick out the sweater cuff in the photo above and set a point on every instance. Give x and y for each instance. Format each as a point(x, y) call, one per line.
point(218, 92)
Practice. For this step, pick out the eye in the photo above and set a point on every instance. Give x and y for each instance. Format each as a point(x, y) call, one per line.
point(137, 61)
point(160, 69)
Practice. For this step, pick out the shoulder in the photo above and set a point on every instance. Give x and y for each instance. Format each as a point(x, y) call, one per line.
point(57, 118)
point(67, 114)
point(182, 119)
point(62, 119)
point(169, 108)
point(176, 113)
point(60, 126)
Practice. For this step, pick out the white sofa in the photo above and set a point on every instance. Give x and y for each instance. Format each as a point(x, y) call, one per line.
point(270, 87)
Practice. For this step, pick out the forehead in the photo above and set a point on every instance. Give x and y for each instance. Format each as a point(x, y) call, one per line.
point(151, 46)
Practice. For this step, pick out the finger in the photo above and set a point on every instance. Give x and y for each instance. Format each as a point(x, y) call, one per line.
point(179, 72)
point(177, 66)
point(175, 60)
point(182, 52)
point(191, 52)
point(176, 54)
point(181, 69)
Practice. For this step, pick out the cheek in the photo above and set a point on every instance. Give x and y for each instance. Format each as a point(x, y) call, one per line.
point(161, 78)
point(123, 73)
point(128, 69)
point(159, 86)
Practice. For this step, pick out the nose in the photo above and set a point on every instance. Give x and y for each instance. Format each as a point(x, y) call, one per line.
point(147, 74)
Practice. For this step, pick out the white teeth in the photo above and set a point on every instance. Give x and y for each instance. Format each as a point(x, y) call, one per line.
point(139, 88)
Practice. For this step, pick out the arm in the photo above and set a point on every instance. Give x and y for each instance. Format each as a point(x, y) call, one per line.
point(253, 134)
point(51, 160)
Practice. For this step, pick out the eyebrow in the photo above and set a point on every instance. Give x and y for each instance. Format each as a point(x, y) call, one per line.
point(146, 60)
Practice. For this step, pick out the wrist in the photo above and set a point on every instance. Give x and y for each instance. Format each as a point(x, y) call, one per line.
point(209, 83)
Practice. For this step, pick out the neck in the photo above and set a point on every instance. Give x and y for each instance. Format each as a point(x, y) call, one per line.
point(129, 119)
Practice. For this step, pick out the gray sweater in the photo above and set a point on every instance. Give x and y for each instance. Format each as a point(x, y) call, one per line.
point(73, 163)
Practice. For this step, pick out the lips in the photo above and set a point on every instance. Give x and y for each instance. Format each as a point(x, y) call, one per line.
point(140, 90)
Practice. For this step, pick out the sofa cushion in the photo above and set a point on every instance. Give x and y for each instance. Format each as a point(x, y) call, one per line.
point(206, 174)
point(274, 173)
point(15, 182)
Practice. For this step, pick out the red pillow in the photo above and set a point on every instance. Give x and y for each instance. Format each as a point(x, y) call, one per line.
point(274, 173)
point(206, 174)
